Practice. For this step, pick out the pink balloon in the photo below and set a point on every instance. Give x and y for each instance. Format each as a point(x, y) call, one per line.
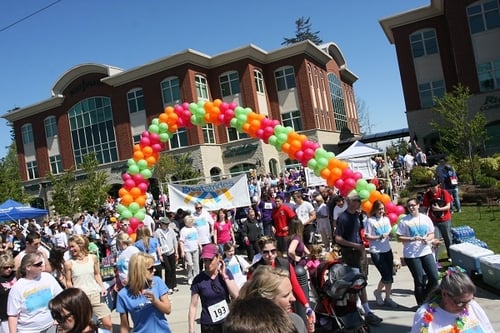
point(145, 134)
point(299, 156)
point(126, 176)
point(339, 183)
point(145, 141)
point(400, 210)
point(350, 183)
point(154, 138)
point(347, 173)
point(134, 223)
point(138, 178)
point(357, 175)
point(389, 207)
point(128, 184)
point(143, 187)
point(392, 217)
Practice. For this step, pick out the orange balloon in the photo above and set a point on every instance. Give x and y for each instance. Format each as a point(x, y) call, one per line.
point(385, 198)
point(133, 236)
point(126, 200)
point(147, 151)
point(163, 118)
point(325, 173)
point(285, 147)
point(138, 155)
point(337, 172)
point(366, 206)
point(151, 161)
point(122, 192)
point(374, 196)
point(141, 200)
point(135, 192)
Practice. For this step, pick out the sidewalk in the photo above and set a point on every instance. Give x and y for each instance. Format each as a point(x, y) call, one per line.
point(395, 320)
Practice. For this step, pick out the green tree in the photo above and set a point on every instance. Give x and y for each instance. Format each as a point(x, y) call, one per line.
point(172, 167)
point(64, 198)
point(10, 180)
point(462, 133)
point(93, 190)
point(303, 32)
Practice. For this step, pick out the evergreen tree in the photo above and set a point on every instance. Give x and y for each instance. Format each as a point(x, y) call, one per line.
point(10, 179)
point(303, 32)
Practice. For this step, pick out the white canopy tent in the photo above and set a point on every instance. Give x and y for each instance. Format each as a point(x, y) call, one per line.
point(358, 156)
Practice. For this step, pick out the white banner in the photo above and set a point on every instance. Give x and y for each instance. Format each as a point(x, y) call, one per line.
point(311, 179)
point(228, 193)
point(363, 165)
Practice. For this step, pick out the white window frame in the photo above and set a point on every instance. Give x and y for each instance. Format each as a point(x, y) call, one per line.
point(135, 97)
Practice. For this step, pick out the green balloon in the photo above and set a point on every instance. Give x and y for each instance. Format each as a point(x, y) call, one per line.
point(273, 140)
point(134, 207)
point(126, 214)
point(133, 169)
point(146, 173)
point(164, 137)
point(371, 187)
point(361, 185)
point(142, 164)
point(364, 194)
point(163, 127)
point(312, 163)
point(153, 128)
point(140, 215)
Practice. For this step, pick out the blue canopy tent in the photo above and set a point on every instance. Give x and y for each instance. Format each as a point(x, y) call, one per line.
point(12, 210)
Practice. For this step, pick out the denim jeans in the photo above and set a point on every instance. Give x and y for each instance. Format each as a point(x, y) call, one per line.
point(443, 230)
point(384, 262)
point(425, 275)
point(456, 200)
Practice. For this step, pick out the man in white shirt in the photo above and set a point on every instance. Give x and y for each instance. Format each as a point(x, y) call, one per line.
point(204, 223)
point(307, 215)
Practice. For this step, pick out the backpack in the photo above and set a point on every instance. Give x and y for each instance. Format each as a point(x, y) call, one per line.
point(451, 179)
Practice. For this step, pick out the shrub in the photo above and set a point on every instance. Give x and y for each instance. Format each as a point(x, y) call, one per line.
point(485, 181)
point(421, 175)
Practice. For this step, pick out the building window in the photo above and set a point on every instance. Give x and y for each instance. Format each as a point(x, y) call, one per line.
point(27, 134)
point(55, 164)
point(201, 87)
point(136, 139)
point(208, 133)
point(337, 96)
point(429, 91)
point(483, 16)
point(50, 125)
point(229, 84)
point(489, 75)
point(32, 168)
point(423, 43)
point(234, 135)
point(293, 120)
point(170, 91)
point(285, 78)
point(135, 99)
point(179, 139)
point(92, 130)
point(259, 81)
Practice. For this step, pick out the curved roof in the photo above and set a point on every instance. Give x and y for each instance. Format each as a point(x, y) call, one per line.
point(334, 51)
point(79, 70)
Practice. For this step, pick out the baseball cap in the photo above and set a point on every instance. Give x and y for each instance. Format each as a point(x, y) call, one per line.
point(164, 220)
point(209, 251)
point(433, 183)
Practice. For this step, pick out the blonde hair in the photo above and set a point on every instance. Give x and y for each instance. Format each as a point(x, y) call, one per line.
point(265, 282)
point(124, 239)
point(144, 234)
point(137, 272)
point(6, 259)
point(81, 241)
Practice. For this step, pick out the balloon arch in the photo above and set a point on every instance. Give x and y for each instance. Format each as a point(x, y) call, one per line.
point(297, 146)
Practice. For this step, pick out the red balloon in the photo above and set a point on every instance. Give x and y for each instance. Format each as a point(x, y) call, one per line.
point(134, 223)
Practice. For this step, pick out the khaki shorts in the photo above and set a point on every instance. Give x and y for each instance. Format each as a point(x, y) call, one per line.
point(99, 308)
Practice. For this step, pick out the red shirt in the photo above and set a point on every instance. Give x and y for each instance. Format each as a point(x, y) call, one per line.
point(281, 218)
point(429, 197)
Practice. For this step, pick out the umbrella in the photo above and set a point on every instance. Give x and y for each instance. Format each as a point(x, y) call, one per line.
point(12, 210)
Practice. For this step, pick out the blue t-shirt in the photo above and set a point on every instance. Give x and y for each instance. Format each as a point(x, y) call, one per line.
point(146, 317)
point(153, 245)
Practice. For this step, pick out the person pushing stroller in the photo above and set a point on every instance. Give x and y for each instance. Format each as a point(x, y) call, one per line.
point(348, 236)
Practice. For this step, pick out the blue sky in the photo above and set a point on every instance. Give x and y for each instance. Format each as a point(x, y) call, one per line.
point(123, 33)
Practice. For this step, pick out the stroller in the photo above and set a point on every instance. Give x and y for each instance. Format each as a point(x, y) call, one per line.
point(337, 286)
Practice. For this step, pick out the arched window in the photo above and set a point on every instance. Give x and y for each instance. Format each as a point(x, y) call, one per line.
point(259, 81)
point(50, 125)
point(337, 95)
point(92, 130)
point(135, 100)
point(201, 87)
point(229, 83)
point(171, 91)
point(285, 78)
point(27, 134)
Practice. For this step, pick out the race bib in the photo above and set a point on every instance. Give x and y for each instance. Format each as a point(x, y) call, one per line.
point(164, 249)
point(218, 311)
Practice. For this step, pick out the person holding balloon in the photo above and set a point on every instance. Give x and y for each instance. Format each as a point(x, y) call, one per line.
point(377, 231)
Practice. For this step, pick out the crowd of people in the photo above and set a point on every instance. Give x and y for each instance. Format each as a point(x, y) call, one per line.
point(230, 257)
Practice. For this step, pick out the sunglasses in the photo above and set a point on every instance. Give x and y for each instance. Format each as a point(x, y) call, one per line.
point(198, 207)
point(267, 252)
point(151, 269)
point(60, 318)
point(38, 264)
point(8, 267)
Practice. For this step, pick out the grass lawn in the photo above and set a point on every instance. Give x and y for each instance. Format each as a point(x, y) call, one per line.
point(485, 220)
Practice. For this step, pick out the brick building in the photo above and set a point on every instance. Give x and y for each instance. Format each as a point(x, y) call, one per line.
point(103, 109)
point(444, 44)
